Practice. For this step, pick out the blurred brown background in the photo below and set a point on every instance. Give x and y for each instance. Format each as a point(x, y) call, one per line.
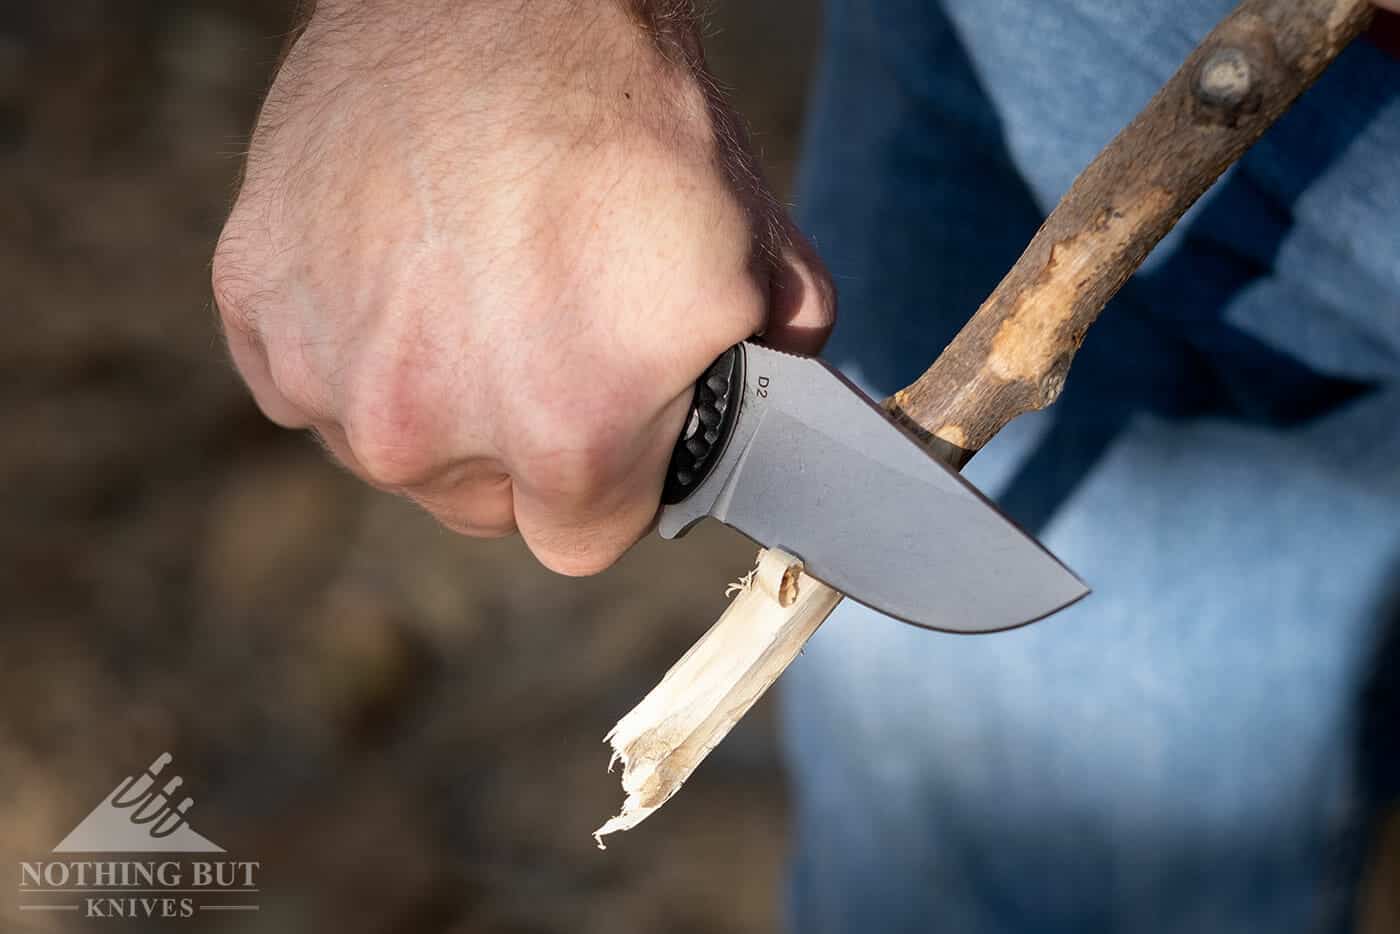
point(404, 727)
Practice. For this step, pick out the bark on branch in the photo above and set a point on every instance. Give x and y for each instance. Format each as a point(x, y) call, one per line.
point(1014, 355)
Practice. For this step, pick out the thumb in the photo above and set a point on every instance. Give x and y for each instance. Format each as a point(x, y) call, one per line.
point(801, 298)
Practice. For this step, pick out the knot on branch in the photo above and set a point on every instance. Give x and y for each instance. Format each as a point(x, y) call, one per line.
point(1227, 85)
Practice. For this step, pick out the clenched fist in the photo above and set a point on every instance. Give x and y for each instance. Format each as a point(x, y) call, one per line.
point(484, 249)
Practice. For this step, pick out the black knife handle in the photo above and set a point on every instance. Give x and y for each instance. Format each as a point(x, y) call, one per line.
point(714, 408)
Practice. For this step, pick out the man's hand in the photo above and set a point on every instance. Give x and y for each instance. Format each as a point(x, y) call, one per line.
point(485, 248)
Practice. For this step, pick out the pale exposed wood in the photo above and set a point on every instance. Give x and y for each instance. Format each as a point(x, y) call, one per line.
point(1014, 354)
point(662, 740)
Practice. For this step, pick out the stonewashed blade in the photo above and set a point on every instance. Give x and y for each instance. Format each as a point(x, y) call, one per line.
point(814, 467)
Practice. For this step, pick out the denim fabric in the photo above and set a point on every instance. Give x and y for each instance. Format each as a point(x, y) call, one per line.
point(1202, 743)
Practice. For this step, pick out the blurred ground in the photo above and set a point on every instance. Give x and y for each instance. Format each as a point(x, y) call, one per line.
point(404, 727)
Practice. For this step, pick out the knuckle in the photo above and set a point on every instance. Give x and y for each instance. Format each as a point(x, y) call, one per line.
point(385, 430)
point(232, 285)
point(388, 458)
point(294, 380)
point(570, 431)
point(573, 449)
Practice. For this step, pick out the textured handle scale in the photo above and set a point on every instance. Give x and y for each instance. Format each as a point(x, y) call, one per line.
point(713, 411)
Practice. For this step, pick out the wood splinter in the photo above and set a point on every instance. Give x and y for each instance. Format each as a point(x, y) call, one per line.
point(660, 742)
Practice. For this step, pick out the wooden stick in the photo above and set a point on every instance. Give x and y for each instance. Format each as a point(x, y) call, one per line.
point(1014, 354)
point(663, 739)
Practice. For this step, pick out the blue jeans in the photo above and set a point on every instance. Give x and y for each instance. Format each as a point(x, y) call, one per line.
point(1203, 743)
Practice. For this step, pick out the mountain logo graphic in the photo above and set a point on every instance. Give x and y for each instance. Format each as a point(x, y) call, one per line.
point(140, 816)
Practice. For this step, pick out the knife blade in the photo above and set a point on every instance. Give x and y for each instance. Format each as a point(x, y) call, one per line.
point(790, 453)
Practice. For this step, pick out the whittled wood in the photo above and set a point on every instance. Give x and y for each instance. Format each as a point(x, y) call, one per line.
point(662, 740)
point(1013, 355)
